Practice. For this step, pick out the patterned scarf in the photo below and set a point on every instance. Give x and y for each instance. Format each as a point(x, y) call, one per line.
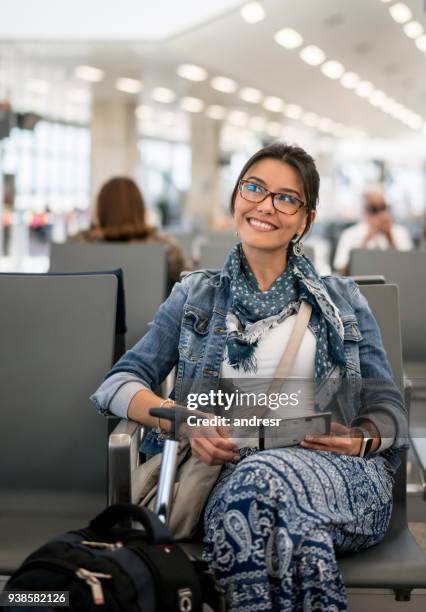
point(254, 312)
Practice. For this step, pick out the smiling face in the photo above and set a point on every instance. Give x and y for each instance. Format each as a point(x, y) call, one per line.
point(260, 225)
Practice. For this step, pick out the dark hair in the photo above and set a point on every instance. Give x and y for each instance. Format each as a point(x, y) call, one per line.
point(296, 157)
point(120, 203)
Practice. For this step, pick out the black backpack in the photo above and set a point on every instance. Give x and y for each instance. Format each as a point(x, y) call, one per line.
point(120, 568)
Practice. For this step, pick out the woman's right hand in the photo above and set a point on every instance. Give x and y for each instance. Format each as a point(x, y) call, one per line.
point(211, 444)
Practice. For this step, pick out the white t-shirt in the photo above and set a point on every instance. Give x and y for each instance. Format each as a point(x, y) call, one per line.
point(353, 238)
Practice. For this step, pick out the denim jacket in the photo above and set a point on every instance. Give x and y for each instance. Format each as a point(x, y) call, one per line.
point(189, 332)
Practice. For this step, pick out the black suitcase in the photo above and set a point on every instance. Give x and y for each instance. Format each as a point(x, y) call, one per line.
point(120, 568)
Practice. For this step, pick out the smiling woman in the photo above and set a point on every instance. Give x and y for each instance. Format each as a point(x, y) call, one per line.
point(273, 522)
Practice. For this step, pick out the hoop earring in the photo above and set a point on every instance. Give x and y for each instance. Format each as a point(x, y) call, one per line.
point(298, 248)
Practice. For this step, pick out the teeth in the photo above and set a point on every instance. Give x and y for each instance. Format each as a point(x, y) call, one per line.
point(257, 223)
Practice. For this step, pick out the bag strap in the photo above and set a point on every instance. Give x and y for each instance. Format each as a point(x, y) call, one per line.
point(289, 355)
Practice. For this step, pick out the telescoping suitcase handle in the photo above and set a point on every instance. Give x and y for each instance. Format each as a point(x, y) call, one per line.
point(156, 531)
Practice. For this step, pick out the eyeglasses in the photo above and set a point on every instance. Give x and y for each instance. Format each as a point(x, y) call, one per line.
point(283, 202)
point(371, 209)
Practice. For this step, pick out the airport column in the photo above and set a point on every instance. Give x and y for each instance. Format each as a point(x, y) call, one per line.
point(203, 201)
point(114, 140)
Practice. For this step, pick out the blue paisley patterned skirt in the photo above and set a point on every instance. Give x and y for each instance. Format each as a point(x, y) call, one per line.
point(276, 519)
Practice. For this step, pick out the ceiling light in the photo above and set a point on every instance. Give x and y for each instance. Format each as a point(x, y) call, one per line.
point(364, 89)
point(312, 55)
point(385, 1)
point(257, 124)
point(79, 96)
point(38, 86)
point(325, 124)
point(350, 80)
point(163, 94)
point(415, 121)
point(400, 12)
point(131, 86)
point(413, 29)
point(288, 38)
point(274, 129)
point(387, 105)
point(377, 97)
point(144, 112)
point(89, 73)
point(293, 111)
point(223, 84)
point(238, 118)
point(192, 105)
point(192, 73)
point(332, 69)
point(251, 95)
point(274, 104)
point(215, 111)
point(253, 12)
point(310, 119)
point(421, 42)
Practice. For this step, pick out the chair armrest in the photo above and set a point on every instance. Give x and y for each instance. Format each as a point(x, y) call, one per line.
point(123, 461)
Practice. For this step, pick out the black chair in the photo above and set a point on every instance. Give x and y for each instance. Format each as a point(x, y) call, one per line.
point(57, 336)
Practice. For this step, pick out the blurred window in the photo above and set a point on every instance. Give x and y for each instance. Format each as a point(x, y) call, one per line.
point(51, 165)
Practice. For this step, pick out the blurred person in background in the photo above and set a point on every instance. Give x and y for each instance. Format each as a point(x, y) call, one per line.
point(121, 216)
point(376, 231)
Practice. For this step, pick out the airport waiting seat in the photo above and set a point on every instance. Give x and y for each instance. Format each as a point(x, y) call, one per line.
point(57, 335)
point(407, 270)
point(387, 572)
point(213, 253)
point(144, 269)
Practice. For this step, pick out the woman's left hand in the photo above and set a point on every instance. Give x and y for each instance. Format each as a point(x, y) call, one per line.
point(342, 440)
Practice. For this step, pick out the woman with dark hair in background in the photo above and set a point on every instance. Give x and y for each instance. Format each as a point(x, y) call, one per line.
point(121, 217)
point(275, 518)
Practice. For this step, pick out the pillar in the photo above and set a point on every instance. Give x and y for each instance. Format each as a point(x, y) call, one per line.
point(203, 203)
point(114, 148)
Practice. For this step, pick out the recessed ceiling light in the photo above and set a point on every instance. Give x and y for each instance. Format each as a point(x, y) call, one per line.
point(79, 96)
point(89, 73)
point(131, 86)
point(237, 117)
point(288, 38)
point(223, 84)
point(310, 119)
point(312, 55)
point(364, 89)
point(413, 29)
point(332, 69)
point(377, 97)
point(385, 1)
point(144, 112)
point(293, 111)
point(274, 129)
point(163, 94)
point(251, 95)
point(387, 105)
point(215, 111)
point(350, 80)
point(253, 12)
point(192, 73)
point(192, 105)
point(400, 12)
point(421, 42)
point(274, 104)
point(38, 86)
point(257, 124)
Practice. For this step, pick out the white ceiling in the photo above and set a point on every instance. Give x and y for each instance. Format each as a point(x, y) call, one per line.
point(106, 21)
point(360, 34)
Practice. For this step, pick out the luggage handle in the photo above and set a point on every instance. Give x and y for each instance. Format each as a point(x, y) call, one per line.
point(157, 533)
